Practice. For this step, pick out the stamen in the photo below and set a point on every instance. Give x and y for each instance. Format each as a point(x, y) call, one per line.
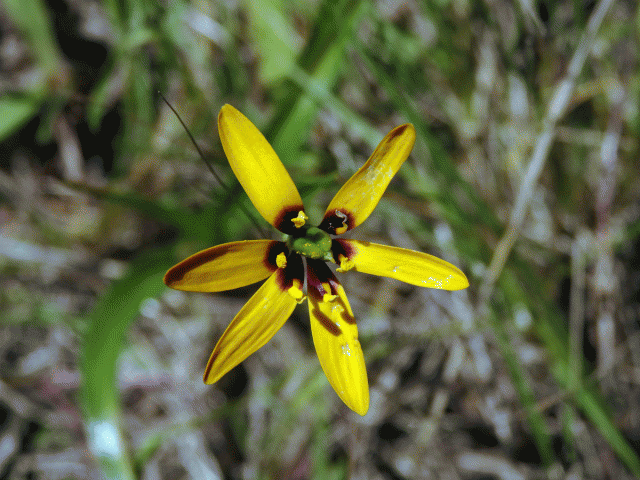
point(327, 297)
point(281, 260)
point(343, 218)
point(300, 220)
point(296, 293)
point(345, 264)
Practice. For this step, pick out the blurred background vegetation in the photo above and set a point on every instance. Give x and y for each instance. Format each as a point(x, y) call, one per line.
point(524, 174)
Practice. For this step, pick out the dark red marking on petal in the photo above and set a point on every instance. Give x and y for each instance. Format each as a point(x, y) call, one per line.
point(293, 271)
point(317, 274)
point(207, 370)
point(396, 132)
point(213, 358)
point(335, 220)
point(327, 323)
point(334, 284)
point(345, 315)
point(275, 249)
point(342, 247)
point(283, 221)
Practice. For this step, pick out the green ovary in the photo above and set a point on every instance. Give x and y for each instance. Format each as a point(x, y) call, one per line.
point(314, 244)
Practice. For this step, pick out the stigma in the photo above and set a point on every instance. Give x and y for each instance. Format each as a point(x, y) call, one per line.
point(311, 242)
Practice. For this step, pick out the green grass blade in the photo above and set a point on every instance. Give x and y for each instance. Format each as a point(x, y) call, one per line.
point(535, 418)
point(320, 93)
point(16, 110)
point(108, 323)
point(592, 407)
point(322, 58)
point(32, 17)
point(275, 37)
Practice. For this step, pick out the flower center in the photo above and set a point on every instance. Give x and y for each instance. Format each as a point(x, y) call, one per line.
point(311, 242)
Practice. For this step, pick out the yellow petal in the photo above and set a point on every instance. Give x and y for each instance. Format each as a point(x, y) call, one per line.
point(408, 266)
point(335, 336)
point(225, 267)
point(259, 169)
point(258, 320)
point(359, 196)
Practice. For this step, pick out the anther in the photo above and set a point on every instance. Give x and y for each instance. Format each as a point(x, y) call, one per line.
point(296, 293)
point(300, 220)
point(281, 260)
point(343, 218)
point(327, 297)
point(345, 264)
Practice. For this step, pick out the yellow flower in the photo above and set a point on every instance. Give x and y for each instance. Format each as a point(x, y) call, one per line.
point(237, 264)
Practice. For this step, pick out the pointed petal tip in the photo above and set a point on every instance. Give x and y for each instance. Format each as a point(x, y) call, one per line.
point(363, 412)
point(462, 282)
point(227, 107)
point(173, 277)
point(457, 279)
point(408, 128)
point(210, 375)
point(361, 407)
point(209, 379)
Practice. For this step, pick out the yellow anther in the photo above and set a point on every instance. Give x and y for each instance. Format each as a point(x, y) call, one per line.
point(343, 218)
point(296, 293)
point(327, 297)
point(281, 260)
point(345, 264)
point(300, 220)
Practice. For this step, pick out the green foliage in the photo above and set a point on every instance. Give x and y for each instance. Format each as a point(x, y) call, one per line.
point(103, 341)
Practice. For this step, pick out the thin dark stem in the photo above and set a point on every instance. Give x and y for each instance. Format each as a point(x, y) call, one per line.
point(193, 140)
point(213, 172)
